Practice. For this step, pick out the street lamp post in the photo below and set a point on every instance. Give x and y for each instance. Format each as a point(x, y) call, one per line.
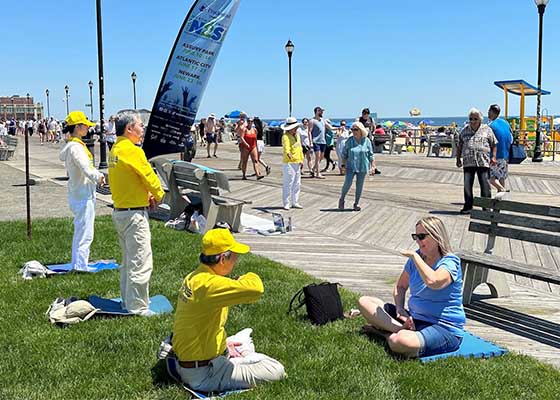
point(537, 153)
point(290, 50)
point(102, 143)
point(66, 89)
point(27, 191)
point(90, 84)
point(133, 76)
point(13, 109)
point(48, 104)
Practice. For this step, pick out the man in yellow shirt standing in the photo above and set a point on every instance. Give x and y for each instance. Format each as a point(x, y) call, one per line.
point(293, 160)
point(199, 336)
point(134, 188)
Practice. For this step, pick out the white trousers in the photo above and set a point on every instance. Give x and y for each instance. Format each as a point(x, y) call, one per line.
point(291, 183)
point(84, 218)
point(133, 229)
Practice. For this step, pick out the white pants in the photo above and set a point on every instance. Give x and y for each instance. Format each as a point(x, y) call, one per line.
point(84, 218)
point(291, 183)
point(133, 229)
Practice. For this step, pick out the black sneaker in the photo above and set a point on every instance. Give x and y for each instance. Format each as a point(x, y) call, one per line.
point(377, 172)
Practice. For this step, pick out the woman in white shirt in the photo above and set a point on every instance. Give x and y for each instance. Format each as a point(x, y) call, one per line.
point(342, 134)
point(83, 178)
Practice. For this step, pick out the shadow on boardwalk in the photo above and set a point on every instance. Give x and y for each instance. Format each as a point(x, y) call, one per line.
point(517, 323)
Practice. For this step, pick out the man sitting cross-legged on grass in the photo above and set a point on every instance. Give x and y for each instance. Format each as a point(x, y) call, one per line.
point(199, 337)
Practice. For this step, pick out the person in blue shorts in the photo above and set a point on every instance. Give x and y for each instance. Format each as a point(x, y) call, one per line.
point(434, 320)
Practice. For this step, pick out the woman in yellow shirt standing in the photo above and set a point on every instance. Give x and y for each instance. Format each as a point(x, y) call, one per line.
point(293, 160)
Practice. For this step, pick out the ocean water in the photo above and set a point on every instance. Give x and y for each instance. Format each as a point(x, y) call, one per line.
point(435, 121)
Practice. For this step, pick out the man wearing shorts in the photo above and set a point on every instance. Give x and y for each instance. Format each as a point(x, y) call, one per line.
point(502, 131)
point(318, 143)
point(210, 129)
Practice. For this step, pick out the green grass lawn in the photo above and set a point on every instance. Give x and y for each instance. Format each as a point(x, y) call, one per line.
point(113, 358)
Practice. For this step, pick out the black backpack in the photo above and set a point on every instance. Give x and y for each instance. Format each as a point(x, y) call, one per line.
point(322, 302)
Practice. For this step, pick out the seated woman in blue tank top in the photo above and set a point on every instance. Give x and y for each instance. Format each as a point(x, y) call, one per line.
point(433, 323)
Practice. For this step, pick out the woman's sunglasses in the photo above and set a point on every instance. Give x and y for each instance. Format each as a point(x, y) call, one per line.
point(419, 236)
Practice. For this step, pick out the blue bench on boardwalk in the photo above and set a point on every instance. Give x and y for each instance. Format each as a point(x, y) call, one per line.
point(532, 223)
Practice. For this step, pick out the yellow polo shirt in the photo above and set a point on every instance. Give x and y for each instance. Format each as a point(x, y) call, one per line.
point(202, 311)
point(131, 176)
point(291, 144)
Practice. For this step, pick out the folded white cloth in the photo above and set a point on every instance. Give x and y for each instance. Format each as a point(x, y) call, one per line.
point(34, 269)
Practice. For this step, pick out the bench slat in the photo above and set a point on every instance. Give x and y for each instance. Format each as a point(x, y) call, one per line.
point(508, 266)
point(518, 220)
point(505, 205)
point(533, 237)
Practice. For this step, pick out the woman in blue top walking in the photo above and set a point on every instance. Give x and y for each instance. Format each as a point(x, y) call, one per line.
point(358, 154)
point(433, 323)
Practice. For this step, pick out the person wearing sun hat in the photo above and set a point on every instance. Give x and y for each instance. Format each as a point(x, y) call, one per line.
point(210, 130)
point(82, 180)
point(199, 337)
point(292, 162)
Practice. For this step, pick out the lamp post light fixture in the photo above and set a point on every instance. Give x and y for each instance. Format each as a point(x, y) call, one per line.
point(133, 76)
point(13, 109)
point(90, 84)
point(66, 89)
point(290, 50)
point(537, 153)
point(48, 104)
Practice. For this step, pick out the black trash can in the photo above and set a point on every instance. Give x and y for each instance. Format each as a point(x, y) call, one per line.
point(275, 136)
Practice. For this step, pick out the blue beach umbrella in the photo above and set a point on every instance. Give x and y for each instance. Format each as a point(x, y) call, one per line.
point(426, 122)
point(275, 123)
point(234, 114)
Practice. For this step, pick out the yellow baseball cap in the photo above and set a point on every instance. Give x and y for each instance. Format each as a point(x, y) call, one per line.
point(217, 241)
point(78, 117)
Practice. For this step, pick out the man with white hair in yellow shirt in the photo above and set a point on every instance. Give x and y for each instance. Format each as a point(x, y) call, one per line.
point(134, 187)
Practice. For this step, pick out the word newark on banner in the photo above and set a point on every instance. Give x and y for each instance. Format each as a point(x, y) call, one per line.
point(186, 75)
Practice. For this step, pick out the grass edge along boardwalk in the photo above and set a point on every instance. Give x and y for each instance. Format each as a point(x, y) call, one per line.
point(112, 358)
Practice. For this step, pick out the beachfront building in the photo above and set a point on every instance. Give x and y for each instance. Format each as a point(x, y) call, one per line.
point(20, 107)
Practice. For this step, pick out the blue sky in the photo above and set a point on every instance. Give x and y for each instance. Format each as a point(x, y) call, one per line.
point(440, 56)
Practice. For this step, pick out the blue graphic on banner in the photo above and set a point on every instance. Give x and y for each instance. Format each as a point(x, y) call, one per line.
point(186, 75)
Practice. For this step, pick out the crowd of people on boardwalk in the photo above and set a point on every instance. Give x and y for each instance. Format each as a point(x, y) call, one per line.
point(49, 130)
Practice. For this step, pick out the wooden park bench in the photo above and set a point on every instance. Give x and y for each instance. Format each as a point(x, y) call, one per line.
point(397, 144)
point(437, 142)
point(9, 150)
point(379, 141)
point(187, 183)
point(513, 220)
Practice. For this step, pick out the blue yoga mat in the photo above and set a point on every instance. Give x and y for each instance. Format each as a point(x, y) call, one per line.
point(96, 266)
point(472, 346)
point(172, 370)
point(159, 304)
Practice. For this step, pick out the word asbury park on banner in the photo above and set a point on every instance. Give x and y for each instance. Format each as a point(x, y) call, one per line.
point(186, 76)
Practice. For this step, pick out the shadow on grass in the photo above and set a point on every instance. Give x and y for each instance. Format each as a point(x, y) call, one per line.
point(537, 329)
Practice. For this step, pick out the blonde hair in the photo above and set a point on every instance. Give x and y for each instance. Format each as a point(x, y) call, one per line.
point(361, 127)
point(435, 228)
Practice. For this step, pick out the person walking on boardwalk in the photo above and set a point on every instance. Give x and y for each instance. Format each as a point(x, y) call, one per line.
point(249, 149)
point(211, 134)
point(358, 155)
point(134, 187)
point(292, 161)
point(317, 126)
point(304, 137)
point(206, 358)
point(369, 124)
point(82, 181)
point(476, 151)
point(260, 143)
point(502, 131)
point(342, 134)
